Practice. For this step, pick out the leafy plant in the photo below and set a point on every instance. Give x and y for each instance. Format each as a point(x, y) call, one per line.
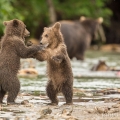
point(35, 12)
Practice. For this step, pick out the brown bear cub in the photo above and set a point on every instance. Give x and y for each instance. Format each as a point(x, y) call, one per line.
point(59, 69)
point(12, 49)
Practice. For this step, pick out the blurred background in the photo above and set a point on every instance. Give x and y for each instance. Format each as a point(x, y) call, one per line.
point(100, 68)
point(39, 13)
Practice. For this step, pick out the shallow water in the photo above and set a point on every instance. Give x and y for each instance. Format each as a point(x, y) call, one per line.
point(83, 77)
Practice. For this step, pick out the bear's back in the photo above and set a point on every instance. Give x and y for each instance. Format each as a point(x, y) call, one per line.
point(8, 45)
point(9, 59)
point(75, 36)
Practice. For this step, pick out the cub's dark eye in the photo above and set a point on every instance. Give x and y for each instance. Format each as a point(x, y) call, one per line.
point(46, 35)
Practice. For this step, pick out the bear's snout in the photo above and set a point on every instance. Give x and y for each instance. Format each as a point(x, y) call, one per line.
point(44, 44)
point(26, 33)
point(41, 43)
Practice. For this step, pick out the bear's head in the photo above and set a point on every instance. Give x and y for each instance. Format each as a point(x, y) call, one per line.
point(51, 36)
point(16, 27)
point(90, 21)
point(91, 25)
point(102, 66)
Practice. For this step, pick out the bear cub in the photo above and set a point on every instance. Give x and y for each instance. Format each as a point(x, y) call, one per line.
point(12, 49)
point(59, 69)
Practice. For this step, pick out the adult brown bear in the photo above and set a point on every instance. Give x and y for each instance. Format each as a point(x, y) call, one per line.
point(78, 35)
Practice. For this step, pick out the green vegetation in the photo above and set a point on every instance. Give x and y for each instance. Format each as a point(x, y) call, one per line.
point(35, 12)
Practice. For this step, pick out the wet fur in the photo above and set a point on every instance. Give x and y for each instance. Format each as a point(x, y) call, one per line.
point(58, 65)
point(12, 49)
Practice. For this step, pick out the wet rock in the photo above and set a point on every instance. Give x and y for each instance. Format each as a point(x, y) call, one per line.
point(105, 110)
point(6, 118)
point(101, 109)
point(66, 112)
point(114, 110)
point(91, 111)
point(21, 118)
point(25, 102)
point(88, 94)
point(72, 118)
point(17, 111)
point(112, 100)
point(116, 106)
point(45, 114)
point(45, 111)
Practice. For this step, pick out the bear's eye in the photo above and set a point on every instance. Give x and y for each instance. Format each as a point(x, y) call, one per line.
point(46, 35)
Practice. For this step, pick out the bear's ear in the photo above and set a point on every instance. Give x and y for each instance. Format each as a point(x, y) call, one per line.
point(15, 23)
point(5, 23)
point(100, 20)
point(57, 25)
point(45, 28)
point(82, 18)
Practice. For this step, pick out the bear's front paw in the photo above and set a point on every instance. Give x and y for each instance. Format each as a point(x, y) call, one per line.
point(57, 59)
point(40, 47)
point(29, 43)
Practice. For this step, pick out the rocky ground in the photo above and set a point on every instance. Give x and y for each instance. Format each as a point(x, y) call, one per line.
point(86, 107)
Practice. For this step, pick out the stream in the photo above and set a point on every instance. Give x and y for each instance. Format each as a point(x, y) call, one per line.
point(84, 78)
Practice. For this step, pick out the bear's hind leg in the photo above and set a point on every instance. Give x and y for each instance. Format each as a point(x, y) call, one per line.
point(67, 91)
point(2, 94)
point(52, 93)
point(13, 91)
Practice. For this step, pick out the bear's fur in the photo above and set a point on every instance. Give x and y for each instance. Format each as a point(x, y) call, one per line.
point(12, 49)
point(78, 35)
point(100, 66)
point(59, 69)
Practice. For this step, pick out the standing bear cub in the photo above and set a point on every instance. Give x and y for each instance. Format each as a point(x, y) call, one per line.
point(12, 49)
point(59, 69)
